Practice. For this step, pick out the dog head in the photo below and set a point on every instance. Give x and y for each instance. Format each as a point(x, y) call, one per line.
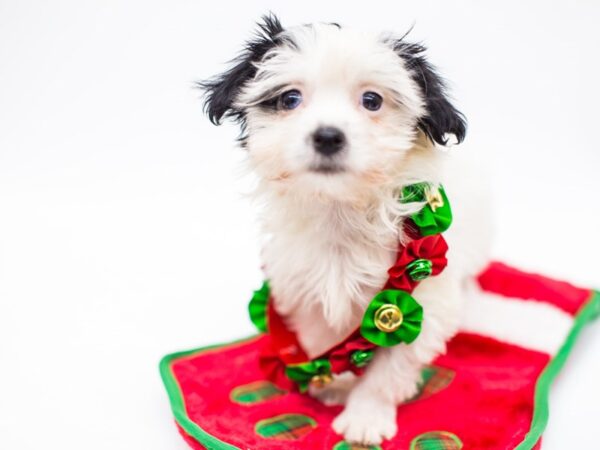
point(328, 111)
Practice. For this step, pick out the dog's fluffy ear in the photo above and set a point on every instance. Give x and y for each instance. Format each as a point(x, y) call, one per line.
point(221, 91)
point(441, 117)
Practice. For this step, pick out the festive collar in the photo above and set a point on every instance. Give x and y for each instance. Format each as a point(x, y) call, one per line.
point(392, 317)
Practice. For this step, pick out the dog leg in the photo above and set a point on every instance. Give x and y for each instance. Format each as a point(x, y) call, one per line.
point(394, 374)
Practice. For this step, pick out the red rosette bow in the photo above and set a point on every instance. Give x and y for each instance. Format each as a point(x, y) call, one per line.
point(419, 259)
point(341, 357)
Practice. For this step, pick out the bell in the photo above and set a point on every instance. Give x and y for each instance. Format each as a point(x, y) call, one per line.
point(388, 318)
point(419, 269)
point(321, 380)
point(434, 198)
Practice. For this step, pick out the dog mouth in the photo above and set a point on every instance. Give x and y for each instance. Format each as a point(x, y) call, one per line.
point(327, 168)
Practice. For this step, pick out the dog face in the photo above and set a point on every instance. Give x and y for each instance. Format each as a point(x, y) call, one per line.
point(329, 111)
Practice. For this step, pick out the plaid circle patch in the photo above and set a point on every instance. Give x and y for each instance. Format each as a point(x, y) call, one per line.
point(285, 426)
point(433, 380)
point(343, 445)
point(436, 440)
point(257, 392)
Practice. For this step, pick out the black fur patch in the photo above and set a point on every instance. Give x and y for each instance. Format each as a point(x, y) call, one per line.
point(222, 90)
point(441, 117)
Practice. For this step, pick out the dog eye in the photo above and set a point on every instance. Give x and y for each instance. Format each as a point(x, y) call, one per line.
point(290, 99)
point(372, 101)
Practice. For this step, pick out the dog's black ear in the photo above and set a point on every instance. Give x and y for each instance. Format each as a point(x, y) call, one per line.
point(221, 91)
point(441, 117)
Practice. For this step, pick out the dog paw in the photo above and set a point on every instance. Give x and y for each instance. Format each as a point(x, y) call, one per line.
point(368, 424)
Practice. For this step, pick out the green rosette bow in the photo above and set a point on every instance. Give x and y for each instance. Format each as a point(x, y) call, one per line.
point(384, 326)
point(436, 215)
point(257, 308)
point(303, 374)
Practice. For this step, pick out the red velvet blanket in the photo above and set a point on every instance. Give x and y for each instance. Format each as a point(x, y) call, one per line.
point(489, 391)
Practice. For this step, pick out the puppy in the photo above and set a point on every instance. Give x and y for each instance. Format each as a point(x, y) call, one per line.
point(335, 122)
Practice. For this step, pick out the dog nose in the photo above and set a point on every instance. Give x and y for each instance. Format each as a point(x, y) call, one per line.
point(328, 140)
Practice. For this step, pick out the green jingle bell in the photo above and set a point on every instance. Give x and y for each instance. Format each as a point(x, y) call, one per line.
point(419, 269)
point(360, 358)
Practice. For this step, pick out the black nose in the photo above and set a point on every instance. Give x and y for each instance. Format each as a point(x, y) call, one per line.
point(328, 140)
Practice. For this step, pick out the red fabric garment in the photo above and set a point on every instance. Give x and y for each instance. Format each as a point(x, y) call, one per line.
point(488, 405)
point(486, 398)
point(510, 282)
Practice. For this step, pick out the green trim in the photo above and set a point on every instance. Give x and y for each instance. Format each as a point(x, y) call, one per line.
point(178, 404)
point(589, 312)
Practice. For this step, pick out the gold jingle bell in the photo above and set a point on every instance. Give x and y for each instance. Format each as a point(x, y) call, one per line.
point(434, 198)
point(321, 380)
point(388, 318)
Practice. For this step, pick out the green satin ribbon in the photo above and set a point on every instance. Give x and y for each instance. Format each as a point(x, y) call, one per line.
point(412, 317)
point(257, 308)
point(429, 221)
point(303, 373)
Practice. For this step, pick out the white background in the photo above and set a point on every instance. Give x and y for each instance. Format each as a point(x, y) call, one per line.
point(123, 232)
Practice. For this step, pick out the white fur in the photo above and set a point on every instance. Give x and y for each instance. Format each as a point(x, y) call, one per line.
point(330, 238)
point(530, 324)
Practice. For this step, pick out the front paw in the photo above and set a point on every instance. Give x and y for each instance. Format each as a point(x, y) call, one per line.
point(366, 423)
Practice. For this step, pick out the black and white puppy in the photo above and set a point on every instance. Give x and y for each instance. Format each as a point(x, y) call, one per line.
point(335, 122)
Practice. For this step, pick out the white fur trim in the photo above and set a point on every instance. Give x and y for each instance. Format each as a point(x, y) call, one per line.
point(530, 324)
